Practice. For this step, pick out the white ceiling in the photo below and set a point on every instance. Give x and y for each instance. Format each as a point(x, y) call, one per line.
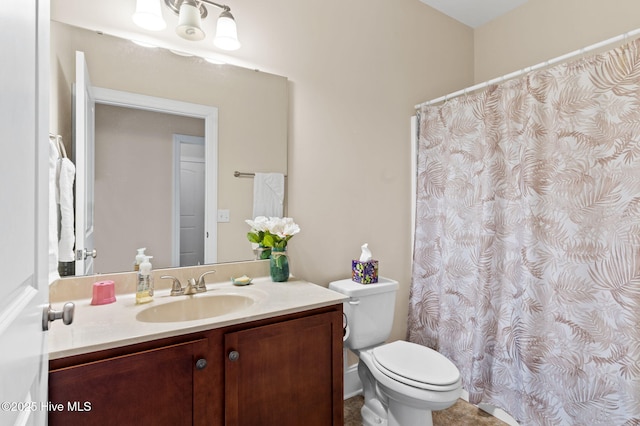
point(474, 13)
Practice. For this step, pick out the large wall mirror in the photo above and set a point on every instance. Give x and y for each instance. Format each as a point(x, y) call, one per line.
point(135, 148)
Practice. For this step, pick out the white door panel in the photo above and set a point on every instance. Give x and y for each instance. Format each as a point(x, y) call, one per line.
point(84, 155)
point(190, 188)
point(24, 38)
point(192, 234)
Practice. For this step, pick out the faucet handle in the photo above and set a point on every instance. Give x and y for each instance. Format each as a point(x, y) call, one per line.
point(201, 286)
point(176, 287)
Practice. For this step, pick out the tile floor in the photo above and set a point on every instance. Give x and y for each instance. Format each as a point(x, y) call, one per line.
point(459, 414)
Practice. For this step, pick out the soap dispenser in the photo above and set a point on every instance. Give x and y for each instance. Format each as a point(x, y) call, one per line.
point(144, 291)
point(139, 259)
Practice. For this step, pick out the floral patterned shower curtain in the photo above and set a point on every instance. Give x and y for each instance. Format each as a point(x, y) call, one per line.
point(527, 251)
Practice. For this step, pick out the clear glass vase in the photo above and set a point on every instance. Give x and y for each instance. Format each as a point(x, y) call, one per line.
point(279, 265)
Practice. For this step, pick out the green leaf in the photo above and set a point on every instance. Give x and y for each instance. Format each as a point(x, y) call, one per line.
point(268, 240)
point(253, 237)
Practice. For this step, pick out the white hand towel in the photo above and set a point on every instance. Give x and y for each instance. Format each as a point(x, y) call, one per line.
point(65, 187)
point(54, 156)
point(268, 194)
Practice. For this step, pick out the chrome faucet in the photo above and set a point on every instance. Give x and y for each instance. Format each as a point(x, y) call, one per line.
point(176, 287)
point(201, 287)
point(191, 287)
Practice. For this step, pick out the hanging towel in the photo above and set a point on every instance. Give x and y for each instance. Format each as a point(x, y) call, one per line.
point(67, 172)
point(54, 156)
point(268, 194)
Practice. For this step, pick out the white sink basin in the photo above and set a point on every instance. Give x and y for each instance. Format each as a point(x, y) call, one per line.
point(196, 307)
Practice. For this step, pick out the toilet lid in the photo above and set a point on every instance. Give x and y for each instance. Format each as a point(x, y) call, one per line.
point(415, 363)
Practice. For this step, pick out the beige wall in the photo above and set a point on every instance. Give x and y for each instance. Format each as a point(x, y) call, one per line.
point(356, 68)
point(544, 29)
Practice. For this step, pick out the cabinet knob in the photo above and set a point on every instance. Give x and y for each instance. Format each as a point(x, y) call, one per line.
point(234, 355)
point(201, 363)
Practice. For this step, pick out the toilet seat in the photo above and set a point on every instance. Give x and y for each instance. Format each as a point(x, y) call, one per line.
point(416, 366)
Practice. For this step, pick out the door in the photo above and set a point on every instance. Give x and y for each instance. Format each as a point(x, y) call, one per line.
point(24, 114)
point(190, 191)
point(84, 107)
point(160, 386)
point(285, 374)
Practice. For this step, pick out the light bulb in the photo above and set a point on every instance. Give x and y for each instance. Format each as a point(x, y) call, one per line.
point(226, 32)
point(148, 15)
point(189, 22)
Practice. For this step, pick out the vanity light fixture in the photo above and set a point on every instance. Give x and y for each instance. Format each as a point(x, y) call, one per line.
point(190, 14)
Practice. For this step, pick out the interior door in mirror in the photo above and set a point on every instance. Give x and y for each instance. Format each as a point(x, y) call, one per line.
point(84, 155)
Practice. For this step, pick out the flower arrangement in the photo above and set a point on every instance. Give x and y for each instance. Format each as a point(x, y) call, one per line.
point(274, 232)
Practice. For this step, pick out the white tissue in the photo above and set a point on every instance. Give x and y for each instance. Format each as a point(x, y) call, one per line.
point(366, 253)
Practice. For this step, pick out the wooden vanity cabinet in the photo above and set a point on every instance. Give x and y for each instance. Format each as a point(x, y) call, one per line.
point(158, 386)
point(279, 371)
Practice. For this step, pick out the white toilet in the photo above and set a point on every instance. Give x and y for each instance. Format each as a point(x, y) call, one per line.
point(402, 381)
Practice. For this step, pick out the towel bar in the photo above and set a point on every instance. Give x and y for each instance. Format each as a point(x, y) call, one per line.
point(245, 174)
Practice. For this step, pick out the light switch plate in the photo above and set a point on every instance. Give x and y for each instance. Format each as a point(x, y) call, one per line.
point(223, 215)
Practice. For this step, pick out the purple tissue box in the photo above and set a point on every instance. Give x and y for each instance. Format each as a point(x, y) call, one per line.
point(364, 272)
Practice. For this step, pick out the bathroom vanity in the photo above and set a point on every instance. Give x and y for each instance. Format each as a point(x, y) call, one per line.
point(276, 362)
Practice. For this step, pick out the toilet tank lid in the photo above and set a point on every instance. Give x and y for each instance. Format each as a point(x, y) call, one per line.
point(354, 289)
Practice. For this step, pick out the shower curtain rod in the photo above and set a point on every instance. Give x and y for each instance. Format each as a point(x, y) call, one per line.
point(518, 73)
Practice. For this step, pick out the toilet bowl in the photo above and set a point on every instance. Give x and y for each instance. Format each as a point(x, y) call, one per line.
point(403, 382)
point(412, 380)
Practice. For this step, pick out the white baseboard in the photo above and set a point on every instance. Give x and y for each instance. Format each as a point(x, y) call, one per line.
point(352, 385)
point(494, 411)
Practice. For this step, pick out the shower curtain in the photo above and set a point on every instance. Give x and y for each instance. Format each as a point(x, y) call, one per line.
point(526, 269)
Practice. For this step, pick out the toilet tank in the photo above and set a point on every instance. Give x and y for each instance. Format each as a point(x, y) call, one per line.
point(369, 311)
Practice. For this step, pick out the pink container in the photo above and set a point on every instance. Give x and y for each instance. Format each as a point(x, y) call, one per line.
point(103, 292)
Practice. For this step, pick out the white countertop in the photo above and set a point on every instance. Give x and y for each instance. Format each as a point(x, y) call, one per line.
point(98, 327)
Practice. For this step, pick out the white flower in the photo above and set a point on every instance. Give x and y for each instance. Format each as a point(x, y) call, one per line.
point(260, 223)
point(282, 226)
point(275, 225)
point(289, 227)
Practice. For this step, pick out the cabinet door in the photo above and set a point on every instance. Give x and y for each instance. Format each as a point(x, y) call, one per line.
point(288, 373)
point(160, 386)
